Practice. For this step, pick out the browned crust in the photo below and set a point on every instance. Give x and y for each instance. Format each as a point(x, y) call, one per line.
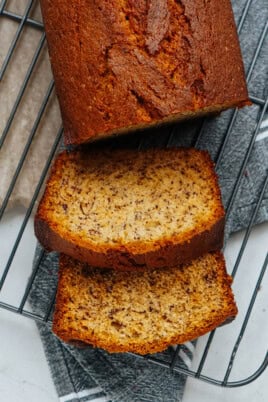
point(80, 337)
point(70, 137)
point(99, 95)
point(163, 253)
point(75, 337)
point(165, 256)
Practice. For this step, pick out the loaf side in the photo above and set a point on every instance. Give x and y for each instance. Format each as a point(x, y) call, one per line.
point(124, 64)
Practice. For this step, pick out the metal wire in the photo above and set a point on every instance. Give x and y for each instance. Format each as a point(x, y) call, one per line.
point(248, 76)
point(28, 21)
point(172, 363)
point(26, 149)
point(15, 39)
point(2, 6)
point(30, 208)
point(22, 90)
point(235, 190)
point(175, 357)
point(250, 225)
point(240, 254)
point(30, 281)
point(245, 322)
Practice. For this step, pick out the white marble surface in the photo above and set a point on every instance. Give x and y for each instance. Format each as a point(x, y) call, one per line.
point(24, 373)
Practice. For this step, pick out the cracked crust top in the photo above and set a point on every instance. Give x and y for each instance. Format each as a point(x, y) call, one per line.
point(126, 64)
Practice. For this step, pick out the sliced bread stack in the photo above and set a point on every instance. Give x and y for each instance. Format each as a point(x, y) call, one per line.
point(139, 234)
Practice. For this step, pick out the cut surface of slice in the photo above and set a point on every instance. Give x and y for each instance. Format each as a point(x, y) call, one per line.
point(141, 312)
point(128, 209)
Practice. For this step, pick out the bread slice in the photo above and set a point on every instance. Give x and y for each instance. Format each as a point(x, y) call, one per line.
point(128, 209)
point(141, 312)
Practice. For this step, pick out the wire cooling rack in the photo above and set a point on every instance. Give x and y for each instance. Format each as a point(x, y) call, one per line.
point(28, 18)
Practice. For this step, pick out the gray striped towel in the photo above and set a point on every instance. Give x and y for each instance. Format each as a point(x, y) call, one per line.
point(82, 375)
point(94, 375)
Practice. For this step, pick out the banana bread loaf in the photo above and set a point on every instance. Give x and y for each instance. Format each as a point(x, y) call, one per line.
point(125, 64)
point(142, 312)
point(128, 209)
